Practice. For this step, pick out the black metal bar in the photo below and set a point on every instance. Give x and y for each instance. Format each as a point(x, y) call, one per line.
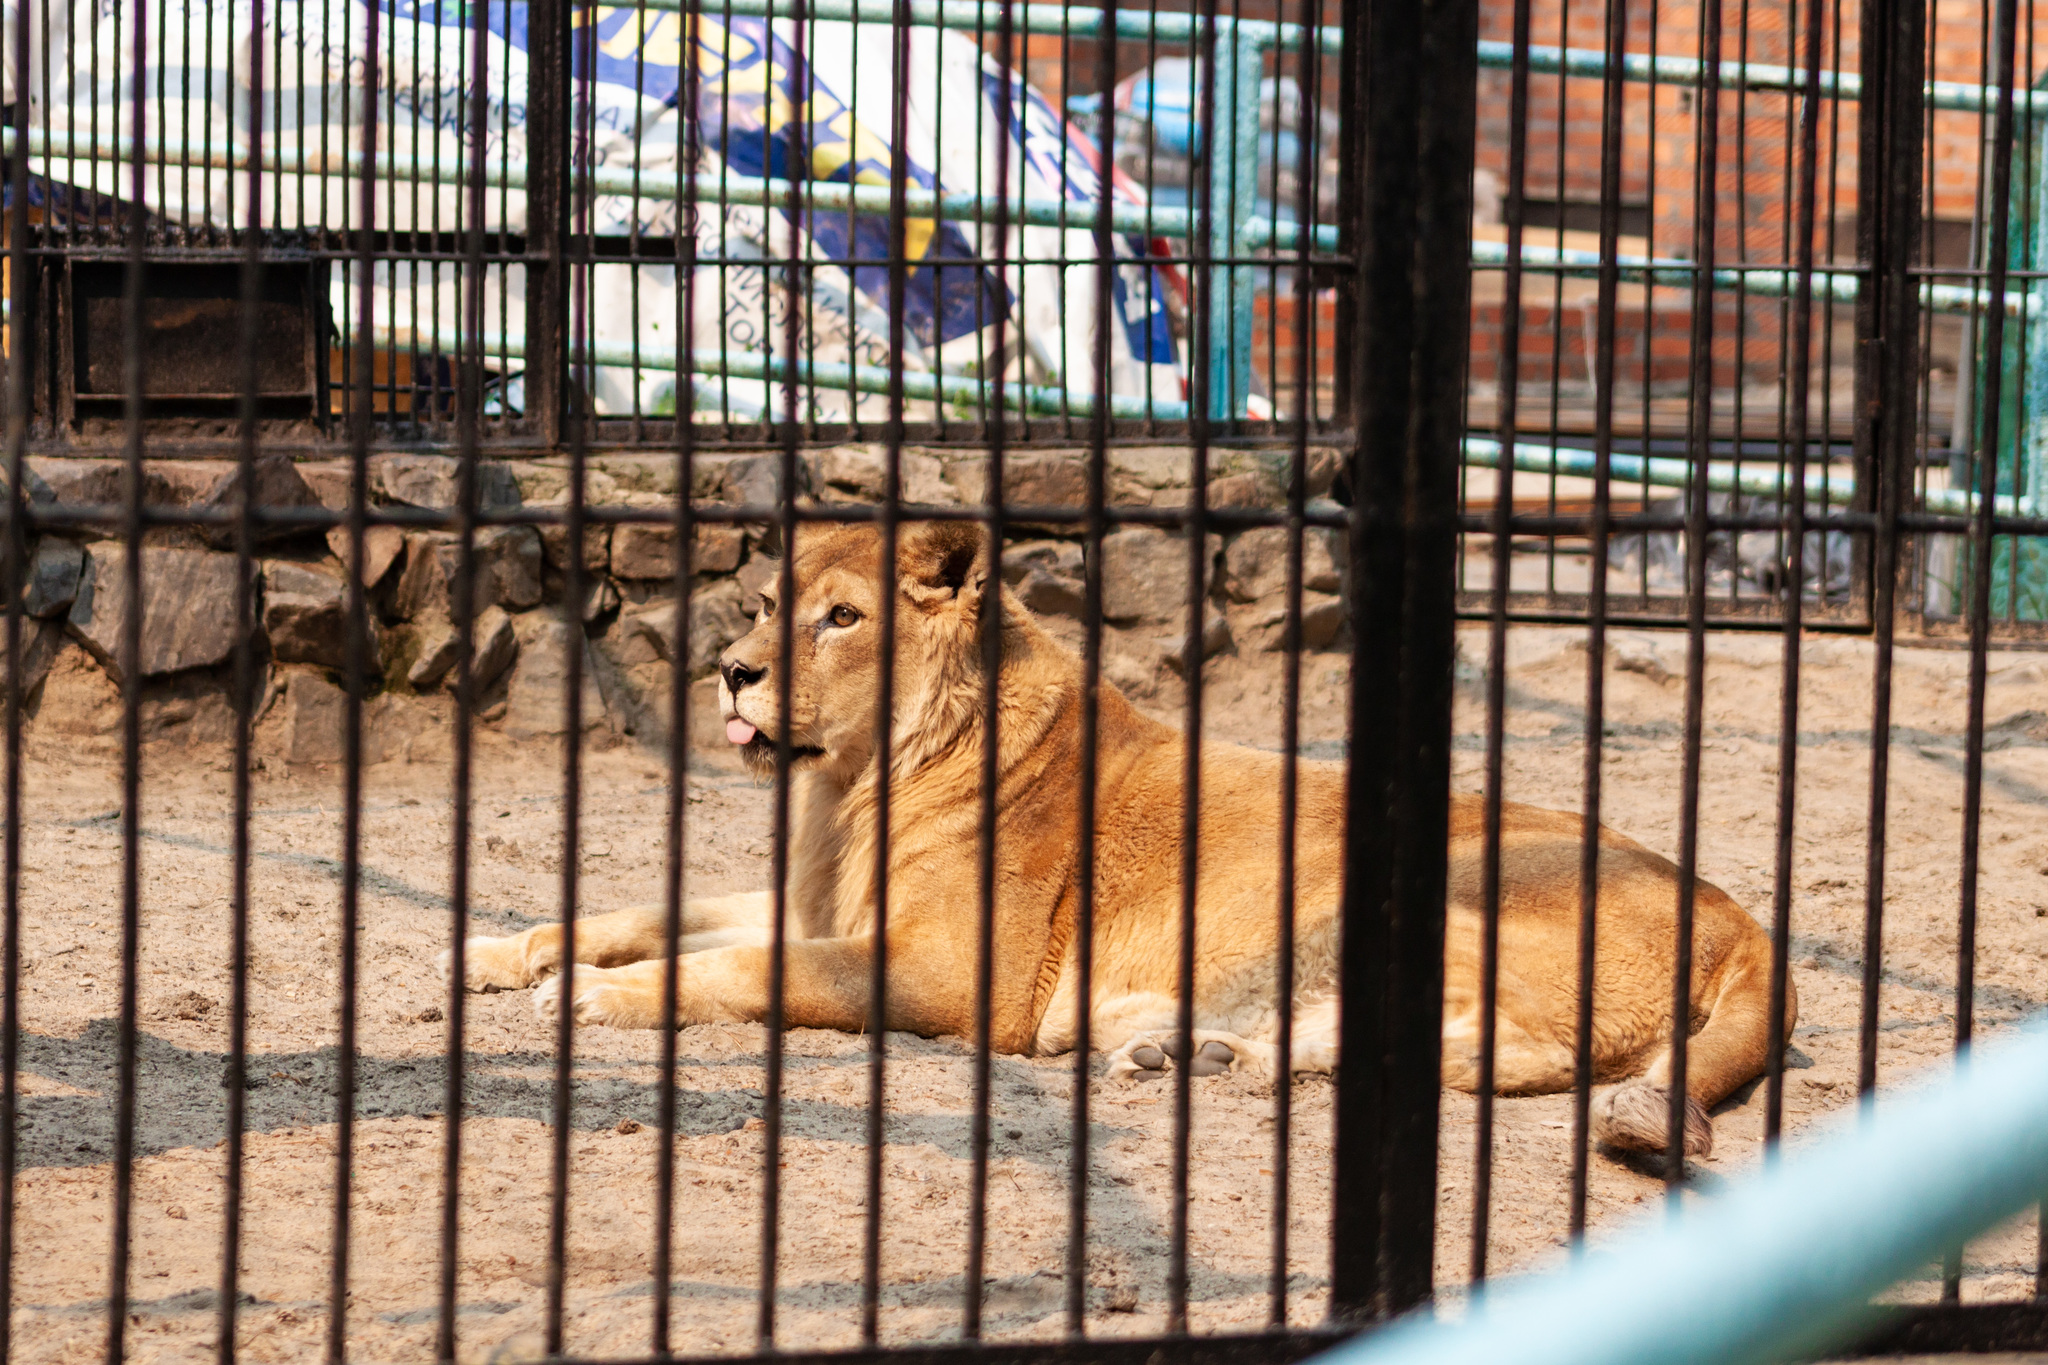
point(990, 639)
point(1596, 594)
point(1801, 365)
point(1261, 1348)
point(20, 366)
point(1076, 1260)
point(107, 516)
point(1366, 335)
point(1209, 281)
point(355, 662)
point(1290, 678)
point(235, 1077)
point(791, 435)
point(1977, 1328)
point(131, 719)
point(676, 860)
point(1510, 362)
point(1981, 548)
point(576, 417)
point(549, 172)
point(1889, 154)
point(885, 623)
point(1407, 368)
point(468, 422)
point(1706, 197)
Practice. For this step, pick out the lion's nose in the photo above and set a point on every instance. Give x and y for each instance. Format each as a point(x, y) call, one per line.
point(739, 675)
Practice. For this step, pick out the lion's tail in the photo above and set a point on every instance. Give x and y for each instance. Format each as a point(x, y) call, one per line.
point(1729, 1051)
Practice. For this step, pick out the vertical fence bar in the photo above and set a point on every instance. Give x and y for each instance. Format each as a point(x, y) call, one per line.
point(355, 661)
point(789, 435)
point(1509, 389)
point(990, 641)
point(1982, 556)
point(1612, 94)
point(1306, 172)
point(20, 361)
point(235, 1078)
point(469, 436)
point(885, 623)
point(131, 706)
point(1214, 327)
point(577, 414)
point(547, 208)
point(1699, 449)
point(1412, 236)
point(1362, 356)
point(677, 860)
point(1807, 162)
point(1887, 360)
point(1091, 668)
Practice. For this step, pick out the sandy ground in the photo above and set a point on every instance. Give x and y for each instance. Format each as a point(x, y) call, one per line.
point(71, 899)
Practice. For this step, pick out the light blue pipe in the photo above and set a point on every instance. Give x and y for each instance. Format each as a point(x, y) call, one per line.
point(1760, 480)
point(1785, 1264)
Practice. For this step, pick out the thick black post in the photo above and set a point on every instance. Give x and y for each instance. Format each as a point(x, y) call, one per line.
point(1892, 117)
point(1409, 71)
point(1887, 385)
point(547, 216)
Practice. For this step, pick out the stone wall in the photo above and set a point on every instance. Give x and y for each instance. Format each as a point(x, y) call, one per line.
point(77, 604)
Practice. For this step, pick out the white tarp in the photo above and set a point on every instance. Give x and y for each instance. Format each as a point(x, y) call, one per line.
point(758, 109)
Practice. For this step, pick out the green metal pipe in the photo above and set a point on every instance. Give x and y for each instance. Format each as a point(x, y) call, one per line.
point(1058, 20)
point(918, 385)
point(1841, 285)
point(1663, 472)
point(826, 196)
point(1842, 85)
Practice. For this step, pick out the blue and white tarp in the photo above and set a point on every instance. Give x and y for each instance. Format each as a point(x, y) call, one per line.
point(764, 109)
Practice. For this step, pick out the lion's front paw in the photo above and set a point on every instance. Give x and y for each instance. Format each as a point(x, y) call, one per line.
point(616, 997)
point(1140, 1059)
point(1147, 1056)
point(491, 964)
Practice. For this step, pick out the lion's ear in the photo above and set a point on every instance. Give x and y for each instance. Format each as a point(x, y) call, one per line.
point(941, 561)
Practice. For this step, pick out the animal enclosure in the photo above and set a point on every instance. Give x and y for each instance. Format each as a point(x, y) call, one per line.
point(1622, 410)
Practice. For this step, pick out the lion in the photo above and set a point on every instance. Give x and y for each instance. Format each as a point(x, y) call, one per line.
point(942, 588)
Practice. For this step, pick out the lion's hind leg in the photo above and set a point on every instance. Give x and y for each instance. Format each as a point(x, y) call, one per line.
point(1523, 1062)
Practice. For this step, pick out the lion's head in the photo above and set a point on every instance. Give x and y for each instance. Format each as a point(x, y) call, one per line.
point(834, 620)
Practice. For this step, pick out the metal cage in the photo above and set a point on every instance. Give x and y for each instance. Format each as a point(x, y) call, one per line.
point(442, 385)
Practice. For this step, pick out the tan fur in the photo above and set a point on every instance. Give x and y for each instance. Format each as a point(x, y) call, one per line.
point(933, 837)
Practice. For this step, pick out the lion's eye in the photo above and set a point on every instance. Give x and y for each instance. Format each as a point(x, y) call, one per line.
point(843, 615)
point(767, 606)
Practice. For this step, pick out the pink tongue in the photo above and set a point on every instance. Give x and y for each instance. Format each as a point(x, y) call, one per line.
point(738, 731)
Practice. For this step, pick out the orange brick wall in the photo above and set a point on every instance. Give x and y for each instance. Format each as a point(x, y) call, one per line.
point(1660, 137)
point(1277, 337)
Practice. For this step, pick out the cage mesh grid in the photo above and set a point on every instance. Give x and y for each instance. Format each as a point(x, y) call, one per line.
point(436, 317)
